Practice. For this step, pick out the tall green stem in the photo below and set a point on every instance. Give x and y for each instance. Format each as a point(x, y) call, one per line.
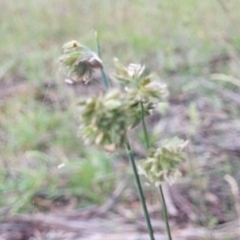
point(144, 127)
point(105, 78)
point(160, 187)
point(140, 191)
point(130, 157)
point(104, 75)
point(165, 213)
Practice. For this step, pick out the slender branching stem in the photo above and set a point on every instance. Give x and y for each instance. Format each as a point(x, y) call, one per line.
point(104, 75)
point(165, 213)
point(105, 78)
point(144, 127)
point(130, 157)
point(140, 191)
point(160, 187)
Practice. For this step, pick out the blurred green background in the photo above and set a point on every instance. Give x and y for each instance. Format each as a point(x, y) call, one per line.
point(40, 152)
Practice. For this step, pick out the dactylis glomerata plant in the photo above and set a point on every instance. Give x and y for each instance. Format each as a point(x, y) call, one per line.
point(105, 120)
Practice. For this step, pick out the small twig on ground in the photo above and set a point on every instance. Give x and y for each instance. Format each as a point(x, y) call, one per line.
point(55, 222)
point(112, 201)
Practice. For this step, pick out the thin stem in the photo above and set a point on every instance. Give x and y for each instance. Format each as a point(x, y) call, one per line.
point(144, 127)
point(140, 191)
point(160, 188)
point(165, 213)
point(104, 75)
point(105, 78)
point(130, 155)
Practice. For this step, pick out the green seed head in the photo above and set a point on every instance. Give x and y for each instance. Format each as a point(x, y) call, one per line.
point(162, 164)
point(103, 120)
point(78, 62)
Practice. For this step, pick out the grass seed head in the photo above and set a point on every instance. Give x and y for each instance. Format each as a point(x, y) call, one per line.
point(103, 120)
point(162, 164)
point(78, 62)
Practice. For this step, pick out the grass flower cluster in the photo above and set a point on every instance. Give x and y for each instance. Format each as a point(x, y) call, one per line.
point(139, 83)
point(105, 120)
point(78, 62)
point(162, 164)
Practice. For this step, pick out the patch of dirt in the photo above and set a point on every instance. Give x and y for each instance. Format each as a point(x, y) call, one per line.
point(112, 226)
